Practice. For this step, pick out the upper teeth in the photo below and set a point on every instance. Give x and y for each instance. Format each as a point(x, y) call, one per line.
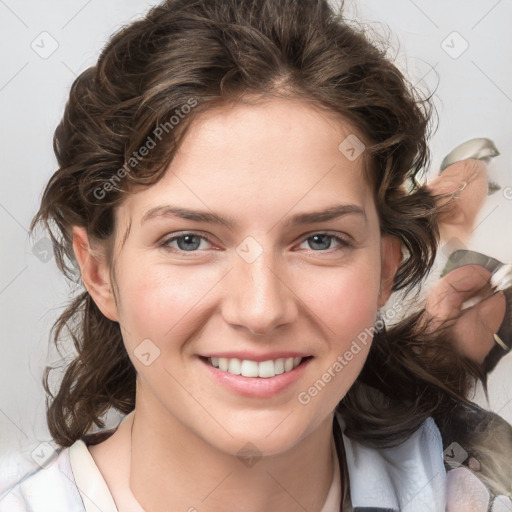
point(248, 368)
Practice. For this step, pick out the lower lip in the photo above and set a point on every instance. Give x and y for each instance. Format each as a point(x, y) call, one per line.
point(256, 387)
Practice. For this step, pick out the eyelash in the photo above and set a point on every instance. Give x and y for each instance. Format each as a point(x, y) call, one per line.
point(345, 244)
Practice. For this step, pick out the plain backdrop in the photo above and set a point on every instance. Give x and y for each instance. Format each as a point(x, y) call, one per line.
point(461, 49)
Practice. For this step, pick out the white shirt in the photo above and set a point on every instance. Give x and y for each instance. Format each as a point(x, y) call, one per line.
point(410, 477)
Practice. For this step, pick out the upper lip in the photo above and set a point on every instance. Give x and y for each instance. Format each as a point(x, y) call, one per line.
point(257, 357)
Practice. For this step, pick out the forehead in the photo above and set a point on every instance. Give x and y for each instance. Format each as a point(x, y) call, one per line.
point(252, 158)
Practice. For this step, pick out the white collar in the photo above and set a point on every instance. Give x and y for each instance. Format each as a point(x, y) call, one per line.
point(91, 485)
point(408, 477)
point(96, 495)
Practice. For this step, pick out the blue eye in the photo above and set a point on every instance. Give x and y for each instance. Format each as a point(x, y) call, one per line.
point(323, 241)
point(190, 242)
point(187, 242)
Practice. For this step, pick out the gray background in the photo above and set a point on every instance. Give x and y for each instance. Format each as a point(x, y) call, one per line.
point(44, 45)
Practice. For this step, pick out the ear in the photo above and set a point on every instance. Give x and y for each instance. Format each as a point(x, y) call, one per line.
point(391, 257)
point(95, 273)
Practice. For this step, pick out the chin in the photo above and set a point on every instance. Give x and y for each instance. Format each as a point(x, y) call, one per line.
point(263, 434)
point(253, 446)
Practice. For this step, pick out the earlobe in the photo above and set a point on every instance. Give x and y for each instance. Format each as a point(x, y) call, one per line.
point(391, 257)
point(95, 273)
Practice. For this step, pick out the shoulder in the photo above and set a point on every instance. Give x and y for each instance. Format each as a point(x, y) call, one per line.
point(69, 482)
point(407, 477)
point(49, 488)
point(424, 472)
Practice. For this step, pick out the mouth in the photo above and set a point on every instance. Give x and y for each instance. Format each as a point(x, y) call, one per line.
point(256, 379)
point(249, 368)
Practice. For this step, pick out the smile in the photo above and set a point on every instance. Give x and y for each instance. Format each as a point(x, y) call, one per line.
point(265, 378)
point(248, 368)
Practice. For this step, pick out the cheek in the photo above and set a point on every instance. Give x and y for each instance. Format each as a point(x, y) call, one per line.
point(346, 298)
point(346, 304)
point(155, 303)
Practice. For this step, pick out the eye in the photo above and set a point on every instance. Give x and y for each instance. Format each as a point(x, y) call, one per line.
point(186, 242)
point(191, 242)
point(323, 241)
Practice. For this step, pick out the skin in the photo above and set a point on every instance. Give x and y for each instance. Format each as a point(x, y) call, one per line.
point(259, 164)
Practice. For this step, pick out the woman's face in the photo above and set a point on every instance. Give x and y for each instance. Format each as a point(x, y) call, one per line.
point(275, 279)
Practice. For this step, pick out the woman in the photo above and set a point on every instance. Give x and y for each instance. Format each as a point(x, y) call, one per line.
point(252, 365)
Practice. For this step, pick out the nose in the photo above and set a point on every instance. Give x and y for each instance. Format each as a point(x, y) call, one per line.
point(258, 298)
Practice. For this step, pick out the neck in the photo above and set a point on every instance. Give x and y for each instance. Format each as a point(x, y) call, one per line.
point(173, 469)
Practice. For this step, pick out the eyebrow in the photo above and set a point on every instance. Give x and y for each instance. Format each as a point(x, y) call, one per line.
point(331, 213)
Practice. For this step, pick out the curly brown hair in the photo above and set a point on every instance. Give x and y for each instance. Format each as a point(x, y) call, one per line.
point(207, 53)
